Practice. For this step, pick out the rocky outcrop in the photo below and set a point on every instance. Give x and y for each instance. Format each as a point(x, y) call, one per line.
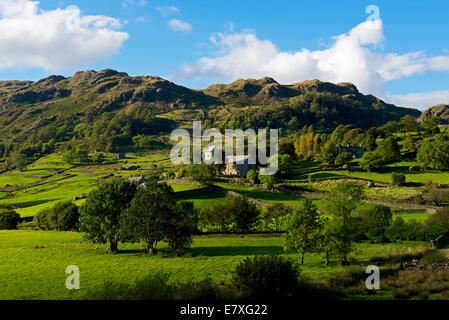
point(343, 88)
point(441, 112)
point(85, 96)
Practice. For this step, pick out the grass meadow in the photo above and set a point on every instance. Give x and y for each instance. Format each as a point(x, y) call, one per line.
point(33, 263)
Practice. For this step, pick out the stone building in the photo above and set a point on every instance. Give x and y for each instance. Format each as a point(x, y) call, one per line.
point(239, 165)
point(119, 156)
point(140, 180)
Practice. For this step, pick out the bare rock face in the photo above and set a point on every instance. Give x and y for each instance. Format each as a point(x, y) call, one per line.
point(275, 91)
point(343, 88)
point(441, 112)
point(50, 80)
point(268, 89)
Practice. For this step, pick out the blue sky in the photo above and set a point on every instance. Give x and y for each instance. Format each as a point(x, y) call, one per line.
point(404, 61)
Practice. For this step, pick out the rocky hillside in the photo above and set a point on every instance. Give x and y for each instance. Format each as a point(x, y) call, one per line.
point(441, 112)
point(266, 89)
point(105, 99)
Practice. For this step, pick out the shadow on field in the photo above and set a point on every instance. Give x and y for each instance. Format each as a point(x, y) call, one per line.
point(320, 175)
point(129, 251)
point(235, 251)
point(32, 203)
point(266, 195)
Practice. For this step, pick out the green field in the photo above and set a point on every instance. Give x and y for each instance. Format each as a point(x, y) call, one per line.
point(49, 180)
point(33, 263)
point(413, 216)
point(184, 187)
point(420, 176)
point(207, 200)
point(15, 180)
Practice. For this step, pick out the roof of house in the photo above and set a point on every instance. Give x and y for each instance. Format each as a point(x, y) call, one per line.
point(136, 179)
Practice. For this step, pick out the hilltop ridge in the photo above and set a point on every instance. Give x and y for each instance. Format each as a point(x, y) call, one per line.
point(38, 109)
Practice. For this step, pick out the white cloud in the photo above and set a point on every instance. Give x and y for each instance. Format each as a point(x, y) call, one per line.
point(355, 57)
point(420, 100)
point(168, 9)
point(60, 39)
point(127, 3)
point(178, 25)
point(142, 19)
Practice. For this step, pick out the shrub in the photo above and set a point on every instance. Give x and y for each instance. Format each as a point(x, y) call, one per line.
point(419, 284)
point(26, 226)
point(267, 181)
point(434, 154)
point(252, 176)
point(216, 219)
point(80, 154)
point(437, 197)
point(371, 160)
point(378, 220)
point(433, 257)
point(274, 217)
point(266, 277)
point(287, 147)
point(63, 216)
point(154, 286)
point(244, 214)
point(151, 287)
point(388, 148)
point(358, 225)
point(237, 215)
point(285, 165)
point(9, 219)
point(181, 172)
point(440, 219)
point(398, 180)
point(328, 152)
point(202, 173)
point(67, 216)
point(418, 199)
point(98, 157)
point(182, 225)
point(343, 157)
point(412, 231)
point(428, 183)
point(52, 220)
point(41, 219)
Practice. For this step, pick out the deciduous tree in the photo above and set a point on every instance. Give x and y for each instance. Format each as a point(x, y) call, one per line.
point(100, 214)
point(302, 229)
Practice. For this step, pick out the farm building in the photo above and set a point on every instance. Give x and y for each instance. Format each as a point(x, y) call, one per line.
point(119, 156)
point(441, 242)
point(239, 165)
point(140, 180)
